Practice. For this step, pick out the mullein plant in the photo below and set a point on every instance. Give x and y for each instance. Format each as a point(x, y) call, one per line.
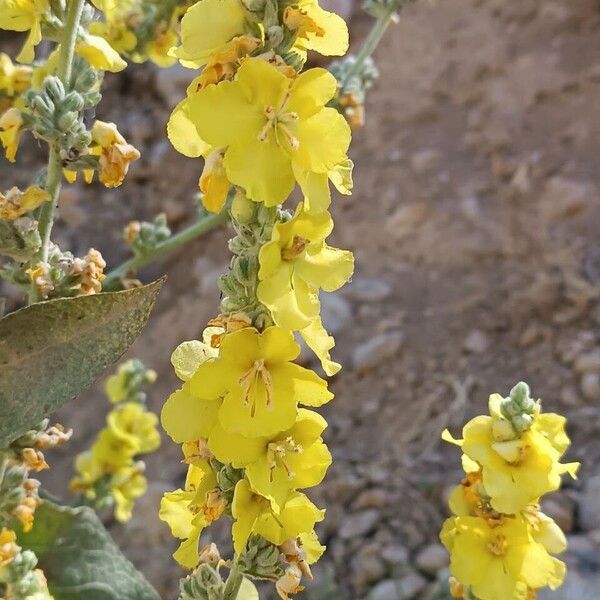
point(501, 544)
point(245, 413)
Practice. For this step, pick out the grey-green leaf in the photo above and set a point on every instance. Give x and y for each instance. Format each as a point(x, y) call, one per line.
point(50, 352)
point(80, 559)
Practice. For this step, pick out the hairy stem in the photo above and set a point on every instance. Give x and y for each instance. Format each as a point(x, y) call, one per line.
point(54, 177)
point(234, 581)
point(377, 32)
point(192, 232)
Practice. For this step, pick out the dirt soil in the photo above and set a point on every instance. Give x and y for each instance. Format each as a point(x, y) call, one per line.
point(475, 225)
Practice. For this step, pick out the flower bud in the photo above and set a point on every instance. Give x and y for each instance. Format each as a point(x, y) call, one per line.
point(242, 209)
point(502, 430)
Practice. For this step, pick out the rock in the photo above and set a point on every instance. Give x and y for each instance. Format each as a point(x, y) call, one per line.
point(406, 588)
point(477, 342)
point(336, 312)
point(590, 386)
point(359, 524)
point(425, 161)
point(560, 508)
point(407, 219)
point(588, 362)
point(367, 569)
point(563, 198)
point(373, 498)
point(344, 488)
point(589, 505)
point(368, 290)
point(376, 350)
point(385, 590)
point(171, 83)
point(411, 585)
point(432, 558)
point(395, 555)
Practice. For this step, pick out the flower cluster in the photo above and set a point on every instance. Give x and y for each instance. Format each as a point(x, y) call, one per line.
point(244, 414)
point(109, 474)
point(501, 544)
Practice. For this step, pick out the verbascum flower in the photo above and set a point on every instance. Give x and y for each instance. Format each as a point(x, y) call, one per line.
point(500, 561)
point(213, 183)
point(158, 48)
point(188, 512)
point(316, 29)
point(117, 33)
point(275, 131)
point(291, 460)
point(112, 451)
point(24, 15)
point(100, 54)
point(15, 203)
point(89, 270)
point(253, 514)
point(114, 152)
point(225, 63)
point(207, 27)
point(252, 388)
point(11, 127)
point(126, 485)
point(14, 79)
point(8, 546)
point(516, 471)
point(296, 264)
point(132, 421)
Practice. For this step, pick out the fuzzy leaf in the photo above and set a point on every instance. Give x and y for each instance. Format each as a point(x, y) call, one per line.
point(50, 352)
point(80, 559)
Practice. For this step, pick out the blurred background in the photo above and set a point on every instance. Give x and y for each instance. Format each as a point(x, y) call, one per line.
point(475, 223)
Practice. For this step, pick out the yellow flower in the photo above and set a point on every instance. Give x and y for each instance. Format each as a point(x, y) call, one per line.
point(275, 130)
point(317, 29)
point(8, 546)
point(14, 79)
point(214, 183)
point(117, 33)
point(294, 459)
point(112, 451)
point(130, 420)
point(253, 514)
point(88, 472)
point(225, 63)
point(15, 203)
point(516, 472)
point(127, 484)
point(320, 342)
point(206, 28)
point(11, 123)
point(189, 511)
point(252, 388)
point(497, 563)
point(296, 264)
point(114, 152)
point(24, 15)
point(158, 48)
point(188, 356)
point(100, 54)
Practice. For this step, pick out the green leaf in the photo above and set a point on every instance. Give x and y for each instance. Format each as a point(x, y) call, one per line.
point(80, 559)
point(50, 352)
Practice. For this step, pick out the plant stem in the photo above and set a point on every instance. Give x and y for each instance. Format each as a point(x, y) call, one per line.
point(370, 44)
point(54, 176)
point(234, 582)
point(190, 233)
